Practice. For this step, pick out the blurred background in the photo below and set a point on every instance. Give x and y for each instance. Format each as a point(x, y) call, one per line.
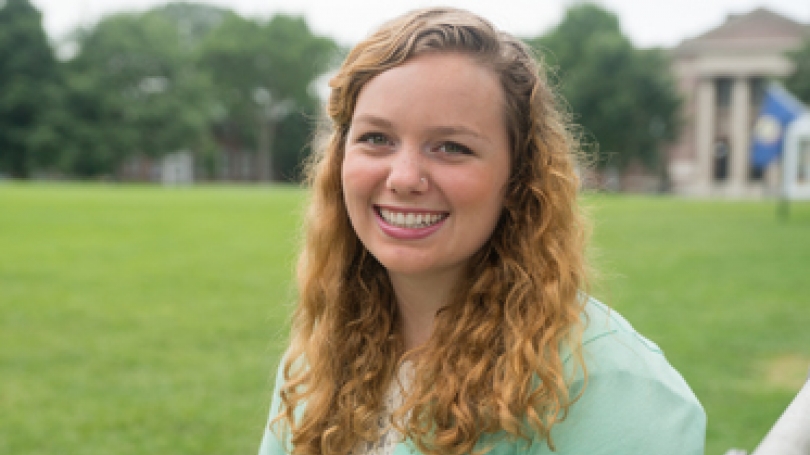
point(136, 90)
point(150, 154)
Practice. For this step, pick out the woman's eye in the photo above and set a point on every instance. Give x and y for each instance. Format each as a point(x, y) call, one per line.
point(374, 139)
point(452, 148)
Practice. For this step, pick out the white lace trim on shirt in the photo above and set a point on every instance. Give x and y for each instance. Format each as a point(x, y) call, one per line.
point(389, 436)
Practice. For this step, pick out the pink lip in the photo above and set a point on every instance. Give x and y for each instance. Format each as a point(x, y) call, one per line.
point(400, 233)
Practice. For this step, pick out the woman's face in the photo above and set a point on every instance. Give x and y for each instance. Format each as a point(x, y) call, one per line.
point(426, 164)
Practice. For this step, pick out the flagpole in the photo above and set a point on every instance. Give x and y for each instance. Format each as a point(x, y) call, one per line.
point(783, 208)
point(778, 110)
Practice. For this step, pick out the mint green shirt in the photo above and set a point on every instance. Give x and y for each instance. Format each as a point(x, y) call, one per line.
point(634, 402)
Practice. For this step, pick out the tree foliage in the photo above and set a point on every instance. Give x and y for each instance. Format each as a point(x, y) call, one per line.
point(264, 72)
point(624, 98)
point(182, 76)
point(134, 90)
point(799, 81)
point(194, 21)
point(28, 80)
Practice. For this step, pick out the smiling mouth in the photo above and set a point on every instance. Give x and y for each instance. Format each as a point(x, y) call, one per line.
point(410, 220)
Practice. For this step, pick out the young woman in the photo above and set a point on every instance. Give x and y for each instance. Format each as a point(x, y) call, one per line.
point(442, 285)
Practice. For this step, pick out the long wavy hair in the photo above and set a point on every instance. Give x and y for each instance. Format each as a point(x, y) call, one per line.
point(493, 365)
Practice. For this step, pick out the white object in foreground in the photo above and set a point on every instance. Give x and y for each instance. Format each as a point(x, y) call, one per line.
point(791, 433)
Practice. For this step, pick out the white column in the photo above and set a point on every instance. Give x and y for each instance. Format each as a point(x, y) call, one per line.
point(740, 132)
point(704, 132)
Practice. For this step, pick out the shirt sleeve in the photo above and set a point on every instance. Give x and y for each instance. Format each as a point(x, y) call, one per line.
point(633, 402)
point(271, 445)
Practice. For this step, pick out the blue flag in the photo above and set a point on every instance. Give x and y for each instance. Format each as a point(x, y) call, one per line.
point(779, 108)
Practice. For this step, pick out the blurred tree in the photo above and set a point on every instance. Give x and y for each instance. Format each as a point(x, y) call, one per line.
point(28, 87)
point(264, 76)
point(194, 21)
point(133, 89)
point(141, 84)
point(624, 98)
point(799, 82)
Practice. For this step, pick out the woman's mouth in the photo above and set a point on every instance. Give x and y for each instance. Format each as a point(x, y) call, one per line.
point(411, 219)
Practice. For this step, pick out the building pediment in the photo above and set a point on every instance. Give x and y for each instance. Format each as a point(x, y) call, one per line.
point(760, 30)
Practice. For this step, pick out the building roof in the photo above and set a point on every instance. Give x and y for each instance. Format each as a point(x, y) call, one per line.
point(758, 30)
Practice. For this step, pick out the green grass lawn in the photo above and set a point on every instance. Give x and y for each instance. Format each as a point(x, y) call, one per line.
point(137, 319)
point(724, 288)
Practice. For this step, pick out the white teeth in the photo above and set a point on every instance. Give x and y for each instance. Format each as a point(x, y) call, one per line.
point(410, 220)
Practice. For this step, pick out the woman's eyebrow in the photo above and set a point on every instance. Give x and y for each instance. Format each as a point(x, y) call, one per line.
point(447, 130)
point(458, 130)
point(373, 120)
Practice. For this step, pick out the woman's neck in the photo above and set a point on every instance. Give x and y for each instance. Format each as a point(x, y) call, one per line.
point(418, 300)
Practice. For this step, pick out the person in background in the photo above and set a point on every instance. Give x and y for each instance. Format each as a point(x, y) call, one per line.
point(443, 303)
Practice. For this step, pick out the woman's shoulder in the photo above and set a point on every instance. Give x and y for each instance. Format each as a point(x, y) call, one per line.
point(603, 325)
point(631, 399)
point(612, 348)
point(601, 321)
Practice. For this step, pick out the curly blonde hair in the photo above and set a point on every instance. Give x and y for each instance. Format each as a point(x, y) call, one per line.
point(493, 363)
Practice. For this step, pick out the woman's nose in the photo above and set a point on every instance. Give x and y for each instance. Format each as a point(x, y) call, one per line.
point(406, 175)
